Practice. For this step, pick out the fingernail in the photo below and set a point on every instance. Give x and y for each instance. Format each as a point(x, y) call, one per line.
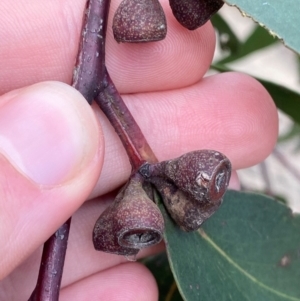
point(48, 132)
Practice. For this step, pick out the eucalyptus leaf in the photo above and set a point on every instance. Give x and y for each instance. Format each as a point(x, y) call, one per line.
point(248, 250)
point(292, 134)
point(231, 42)
point(280, 17)
point(160, 268)
point(285, 99)
point(257, 40)
point(298, 64)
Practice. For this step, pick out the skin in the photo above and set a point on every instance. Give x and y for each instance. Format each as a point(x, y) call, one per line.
point(62, 151)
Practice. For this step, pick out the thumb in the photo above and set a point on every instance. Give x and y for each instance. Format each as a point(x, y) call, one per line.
point(51, 155)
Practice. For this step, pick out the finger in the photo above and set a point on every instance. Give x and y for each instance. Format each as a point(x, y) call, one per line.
point(51, 155)
point(130, 281)
point(229, 112)
point(234, 182)
point(42, 42)
point(180, 60)
point(82, 260)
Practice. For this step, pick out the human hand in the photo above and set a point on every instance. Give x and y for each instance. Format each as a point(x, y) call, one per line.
point(52, 147)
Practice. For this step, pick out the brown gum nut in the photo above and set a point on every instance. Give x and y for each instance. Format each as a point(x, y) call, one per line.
point(194, 13)
point(137, 21)
point(188, 214)
point(131, 223)
point(203, 175)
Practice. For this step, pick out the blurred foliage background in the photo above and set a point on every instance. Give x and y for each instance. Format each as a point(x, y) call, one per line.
point(245, 46)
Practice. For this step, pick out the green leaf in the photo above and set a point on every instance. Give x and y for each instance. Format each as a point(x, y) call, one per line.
point(285, 99)
point(248, 250)
point(292, 134)
point(231, 43)
point(160, 268)
point(257, 40)
point(280, 17)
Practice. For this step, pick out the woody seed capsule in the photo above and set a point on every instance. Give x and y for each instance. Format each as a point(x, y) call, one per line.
point(191, 186)
point(137, 21)
point(194, 13)
point(129, 224)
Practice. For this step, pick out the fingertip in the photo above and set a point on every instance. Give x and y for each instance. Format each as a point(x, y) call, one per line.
point(125, 282)
point(51, 155)
point(180, 60)
point(234, 182)
point(252, 119)
point(48, 131)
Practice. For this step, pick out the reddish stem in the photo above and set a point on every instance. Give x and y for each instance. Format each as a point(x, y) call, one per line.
point(88, 78)
point(90, 71)
point(113, 106)
point(51, 268)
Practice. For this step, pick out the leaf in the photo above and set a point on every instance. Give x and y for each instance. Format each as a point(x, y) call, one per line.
point(248, 250)
point(298, 64)
point(285, 99)
point(160, 268)
point(280, 17)
point(258, 39)
point(231, 43)
point(292, 134)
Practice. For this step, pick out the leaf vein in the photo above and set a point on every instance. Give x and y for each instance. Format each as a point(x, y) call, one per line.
point(240, 269)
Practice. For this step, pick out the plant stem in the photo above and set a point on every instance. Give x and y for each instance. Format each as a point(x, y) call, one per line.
point(88, 78)
point(51, 268)
point(90, 71)
point(113, 106)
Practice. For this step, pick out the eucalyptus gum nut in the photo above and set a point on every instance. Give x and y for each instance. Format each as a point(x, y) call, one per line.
point(191, 186)
point(203, 175)
point(131, 223)
point(194, 13)
point(186, 212)
point(137, 21)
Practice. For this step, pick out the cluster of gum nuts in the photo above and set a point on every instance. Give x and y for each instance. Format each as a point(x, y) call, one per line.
point(191, 186)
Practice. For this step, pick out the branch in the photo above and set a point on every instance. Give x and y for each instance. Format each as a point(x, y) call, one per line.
point(88, 78)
